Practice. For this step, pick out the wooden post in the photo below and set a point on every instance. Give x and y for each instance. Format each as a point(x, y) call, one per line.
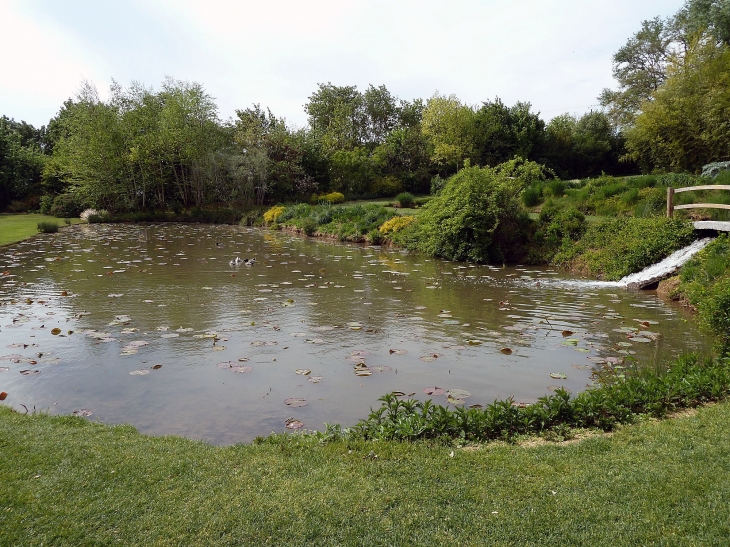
point(670, 202)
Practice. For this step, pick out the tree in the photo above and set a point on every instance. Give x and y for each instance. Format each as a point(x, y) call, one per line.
point(450, 125)
point(21, 161)
point(640, 67)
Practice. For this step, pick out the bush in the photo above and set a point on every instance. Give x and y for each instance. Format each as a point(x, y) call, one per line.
point(273, 214)
point(396, 224)
point(309, 226)
point(556, 188)
point(386, 186)
point(374, 237)
point(568, 223)
point(46, 203)
point(67, 205)
point(405, 199)
point(613, 248)
point(532, 195)
point(475, 217)
point(48, 227)
point(17, 207)
point(437, 184)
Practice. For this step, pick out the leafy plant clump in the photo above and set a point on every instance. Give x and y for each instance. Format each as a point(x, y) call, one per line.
point(689, 382)
point(475, 217)
point(357, 223)
point(705, 284)
point(405, 200)
point(272, 214)
point(613, 248)
point(396, 224)
point(47, 227)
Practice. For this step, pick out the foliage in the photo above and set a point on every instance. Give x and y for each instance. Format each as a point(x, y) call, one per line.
point(475, 217)
point(346, 223)
point(21, 161)
point(272, 214)
point(405, 200)
point(396, 224)
point(613, 248)
point(48, 227)
point(685, 126)
point(705, 284)
point(69, 204)
point(688, 382)
point(386, 186)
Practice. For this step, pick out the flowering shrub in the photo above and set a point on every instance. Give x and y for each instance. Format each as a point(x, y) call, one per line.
point(396, 223)
point(272, 214)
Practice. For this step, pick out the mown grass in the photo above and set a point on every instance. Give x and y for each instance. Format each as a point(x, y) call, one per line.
point(68, 481)
point(14, 228)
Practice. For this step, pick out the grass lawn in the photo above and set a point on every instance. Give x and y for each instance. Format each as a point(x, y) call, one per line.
point(69, 481)
point(15, 228)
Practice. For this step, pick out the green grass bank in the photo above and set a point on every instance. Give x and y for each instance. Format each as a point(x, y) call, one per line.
point(69, 481)
point(14, 228)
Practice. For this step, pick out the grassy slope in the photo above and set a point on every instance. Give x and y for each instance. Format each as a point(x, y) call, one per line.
point(66, 481)
point(15, 228)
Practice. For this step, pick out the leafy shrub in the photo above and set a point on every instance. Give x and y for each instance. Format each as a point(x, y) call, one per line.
point(643, 181)
point(437, 184)
point(615, 247)
point(678, 180)
point(556, 188)
point(46, 203)
point(396, 224)
point(405, 199)
point(532, 195)
point(46, 227)
point(630, 197)
point(386, 186)
point(525, 172)
point(67, 205)
point(374, 237)
point(175, 206)
point(16, 206)
point(567, 223)
point(331, 198)
point(475, 217)
point(104, 216)
point(309, 226)
point(273, 214)
point(420, 202)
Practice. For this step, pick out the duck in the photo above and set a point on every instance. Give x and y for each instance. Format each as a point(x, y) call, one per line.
point(219, 244)
point(250, 261)
point(236, 261)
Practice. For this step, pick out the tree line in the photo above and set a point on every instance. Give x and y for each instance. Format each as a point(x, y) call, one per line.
point(168, 149)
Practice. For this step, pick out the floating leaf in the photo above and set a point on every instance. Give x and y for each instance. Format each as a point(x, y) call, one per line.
point(459, 393)
point(566, 333)
point(303, 371)
point(455, 401)
point(315, 379)
point(82, 412)
point(156, 367)
point(570, 342)
point(294, 424)
point(558, 376)
point(581, 367)
point(226, 364)
point(436, 391)
point(474, 342)
point(3, 395)
point(295, 402)
point(381, 368)
point(30, 372)
point(56, 331)
point(429, 358)
point(298, 334)
point(506, 351)
point(140, 372)
point(219, 348)
point(363, 372)
point(241, 368)
point(398, 351)
point(170, 335)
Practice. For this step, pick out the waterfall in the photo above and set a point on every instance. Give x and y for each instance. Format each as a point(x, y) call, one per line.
point(665, 268)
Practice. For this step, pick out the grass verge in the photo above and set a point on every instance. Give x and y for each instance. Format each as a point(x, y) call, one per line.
point(68, 481)
point(14, 228)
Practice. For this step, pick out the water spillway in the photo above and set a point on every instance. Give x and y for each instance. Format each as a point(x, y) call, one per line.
point(666, 268)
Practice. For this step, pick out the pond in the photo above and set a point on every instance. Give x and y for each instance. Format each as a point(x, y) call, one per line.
point(153, 326)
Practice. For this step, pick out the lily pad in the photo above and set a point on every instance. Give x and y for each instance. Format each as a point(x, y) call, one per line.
point(429, 358)
point(30, 372)
point(435, 391)
point(3, 395)
point(241, 368)
point(566, 333)
point(156, 367)
point(303, 371)
point(226, 364)
point(397, 351)
point(506, 351)
point(315, 379)
point(294, 424)
point(364, 371)
point(295, 402)
point(140, 372)
point(82, 412)
point(459, 393)
point(558, 376)
point(55, 331)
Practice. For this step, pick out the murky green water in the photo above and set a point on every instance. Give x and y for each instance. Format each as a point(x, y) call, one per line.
point(128, 298)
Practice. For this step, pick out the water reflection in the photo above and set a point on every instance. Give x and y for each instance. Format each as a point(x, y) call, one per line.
point(127, 298)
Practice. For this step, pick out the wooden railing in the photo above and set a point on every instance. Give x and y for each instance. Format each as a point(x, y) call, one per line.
point(670, 198)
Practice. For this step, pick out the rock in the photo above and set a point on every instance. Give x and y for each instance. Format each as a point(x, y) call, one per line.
point(711, 170)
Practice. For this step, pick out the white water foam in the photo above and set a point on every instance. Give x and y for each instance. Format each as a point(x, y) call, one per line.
point(666, 267)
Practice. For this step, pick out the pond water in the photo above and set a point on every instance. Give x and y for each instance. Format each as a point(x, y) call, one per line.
point(88, 314)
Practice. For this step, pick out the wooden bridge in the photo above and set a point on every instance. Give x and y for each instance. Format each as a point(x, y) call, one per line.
point(702, 224)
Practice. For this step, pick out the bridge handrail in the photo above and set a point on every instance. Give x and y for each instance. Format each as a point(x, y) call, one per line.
point(670, 198)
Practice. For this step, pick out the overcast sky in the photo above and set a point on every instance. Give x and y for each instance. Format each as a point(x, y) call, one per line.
point(555, 54)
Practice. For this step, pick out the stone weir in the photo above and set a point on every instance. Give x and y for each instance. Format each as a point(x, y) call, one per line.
point(649, 277)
